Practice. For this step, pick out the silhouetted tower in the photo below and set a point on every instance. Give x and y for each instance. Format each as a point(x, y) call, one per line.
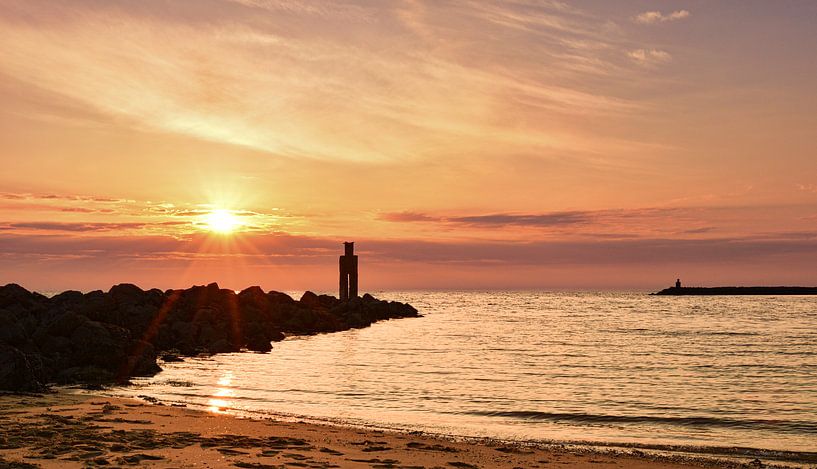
point(678, 283)
point(348, 272)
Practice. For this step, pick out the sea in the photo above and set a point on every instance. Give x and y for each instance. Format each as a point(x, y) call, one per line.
point(717, 376)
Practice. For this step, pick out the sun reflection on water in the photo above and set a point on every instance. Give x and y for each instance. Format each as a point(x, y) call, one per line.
point(220, 400)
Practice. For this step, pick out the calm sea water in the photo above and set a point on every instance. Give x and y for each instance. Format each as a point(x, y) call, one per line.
point(594, 367)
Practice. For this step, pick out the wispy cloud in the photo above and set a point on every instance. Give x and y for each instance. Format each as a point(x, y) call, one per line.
point(361, 88)
point(298, 250)
point(540, 220)
point(533, 219)
point(64, 197)
point(76, 227)
point(807, 188)
point(676, 222)
point(409, 217)
point(652, 17)
point(495, 219)
point(112, 215)
point(340, 10)
point(649, 56)
point(579, 223)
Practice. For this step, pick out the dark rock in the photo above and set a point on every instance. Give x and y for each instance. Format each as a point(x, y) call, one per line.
point(367, 298)
point(126, 293)
point(171, 356)
point(328, 301)
point(310, 300)
point(259, 343)
point(67, 297)
point(254, 296)
point(104, 337)
point(13, 331)
point(279, 298)
point(65, 324)
point(222, 346)
point(19, 372)
point(85, 375)
point(13, 295)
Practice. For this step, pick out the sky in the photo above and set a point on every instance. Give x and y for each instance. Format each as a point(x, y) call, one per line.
point(462, 144)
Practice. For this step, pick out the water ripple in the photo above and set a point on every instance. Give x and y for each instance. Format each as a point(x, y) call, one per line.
point(614, 367)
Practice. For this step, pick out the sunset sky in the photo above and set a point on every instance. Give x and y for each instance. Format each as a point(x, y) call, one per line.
point(461, 144)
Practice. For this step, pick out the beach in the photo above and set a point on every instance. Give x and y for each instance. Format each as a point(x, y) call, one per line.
point(70, 429)
point(496, 379)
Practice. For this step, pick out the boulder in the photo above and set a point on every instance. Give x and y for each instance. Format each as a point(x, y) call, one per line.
point(278, 298)
point(13, 296)
point(259, 343)
point(126, 293)
point(88, 374)
point(19, 372)
point(222, 346)
point(12, 329)
point(310, 300)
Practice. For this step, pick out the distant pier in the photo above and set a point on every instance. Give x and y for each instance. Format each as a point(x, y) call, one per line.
point(703, 291)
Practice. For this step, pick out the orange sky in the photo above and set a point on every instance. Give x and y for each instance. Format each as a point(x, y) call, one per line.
point(462, 144)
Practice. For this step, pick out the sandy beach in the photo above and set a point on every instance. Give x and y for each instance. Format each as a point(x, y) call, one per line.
point(64, 429)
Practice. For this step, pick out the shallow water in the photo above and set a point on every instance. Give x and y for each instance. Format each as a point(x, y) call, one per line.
point(601, 367)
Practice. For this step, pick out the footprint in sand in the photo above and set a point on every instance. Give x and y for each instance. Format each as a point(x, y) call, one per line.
point(256, 465)
point(331, 451)
point(230, 451)
point(513, 450)
point(426, 447)
point(463, 465)
point(135, 459)
point(377, 461)
point(370, 449)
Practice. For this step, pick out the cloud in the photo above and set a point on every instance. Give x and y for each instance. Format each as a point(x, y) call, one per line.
point(347, 12)
point(494, 219)
point(87, 214)
point(54, 261)
point(407, 217)
point(676, 222)
point(76, 227)
point(327, 82)
point(284, 249)
point(537, 220)
point(807, 188)
point(85, 210)
point(63, 197)
point(649, 56)
point(534, 220)
point(652, 17)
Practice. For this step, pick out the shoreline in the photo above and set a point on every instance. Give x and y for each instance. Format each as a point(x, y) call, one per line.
point(707, 454)
point(199, 438)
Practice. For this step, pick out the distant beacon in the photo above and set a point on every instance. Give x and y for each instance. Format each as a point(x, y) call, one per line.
point(678, 283)
point(348, 272)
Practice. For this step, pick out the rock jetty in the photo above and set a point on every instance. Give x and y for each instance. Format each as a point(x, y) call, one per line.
point(703, 291)
point(107, 337)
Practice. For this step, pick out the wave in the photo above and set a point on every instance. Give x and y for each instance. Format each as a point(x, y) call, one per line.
point(789, 426)
point(706, 452)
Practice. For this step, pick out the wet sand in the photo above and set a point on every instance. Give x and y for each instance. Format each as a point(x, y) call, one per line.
point(63, 429)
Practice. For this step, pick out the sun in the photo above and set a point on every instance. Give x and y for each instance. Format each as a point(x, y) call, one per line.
point(222, 221)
